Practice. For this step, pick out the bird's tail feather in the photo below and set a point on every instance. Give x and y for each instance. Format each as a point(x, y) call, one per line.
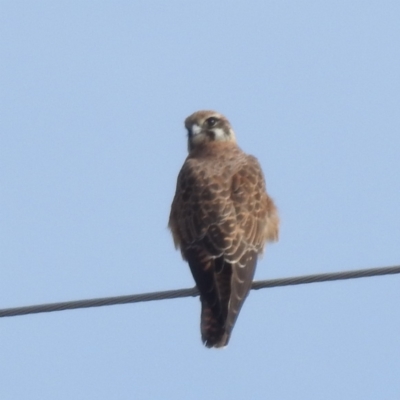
point(213, 326)
point(213, 331)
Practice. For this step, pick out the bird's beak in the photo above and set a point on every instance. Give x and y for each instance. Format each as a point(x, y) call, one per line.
point(195, 130)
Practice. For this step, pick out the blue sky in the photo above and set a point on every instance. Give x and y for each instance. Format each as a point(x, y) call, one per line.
point(92, 102)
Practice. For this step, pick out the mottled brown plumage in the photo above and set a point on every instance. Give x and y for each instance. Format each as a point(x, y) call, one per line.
point(221, 217)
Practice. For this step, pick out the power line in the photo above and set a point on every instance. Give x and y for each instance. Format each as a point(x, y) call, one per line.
point(174, 294)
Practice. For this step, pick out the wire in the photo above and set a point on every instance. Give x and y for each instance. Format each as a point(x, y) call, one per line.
point(174, 294)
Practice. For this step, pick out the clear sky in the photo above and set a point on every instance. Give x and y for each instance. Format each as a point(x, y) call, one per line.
point(92, 101)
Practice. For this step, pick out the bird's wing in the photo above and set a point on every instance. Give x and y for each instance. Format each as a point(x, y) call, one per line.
point(199, 212)
point(256, 222)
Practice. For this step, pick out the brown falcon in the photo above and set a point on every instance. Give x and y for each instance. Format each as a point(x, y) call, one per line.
point(221, 217)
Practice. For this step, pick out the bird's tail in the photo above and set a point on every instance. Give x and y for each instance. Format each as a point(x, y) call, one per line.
point(234, 284)
point(213, 331)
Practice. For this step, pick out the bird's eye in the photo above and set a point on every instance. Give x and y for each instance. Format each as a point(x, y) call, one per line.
point(211, 121)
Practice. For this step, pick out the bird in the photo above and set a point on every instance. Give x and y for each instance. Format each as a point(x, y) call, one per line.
point(221, 218)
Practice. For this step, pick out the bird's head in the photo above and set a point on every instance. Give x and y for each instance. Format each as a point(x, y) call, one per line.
point(208, 126)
